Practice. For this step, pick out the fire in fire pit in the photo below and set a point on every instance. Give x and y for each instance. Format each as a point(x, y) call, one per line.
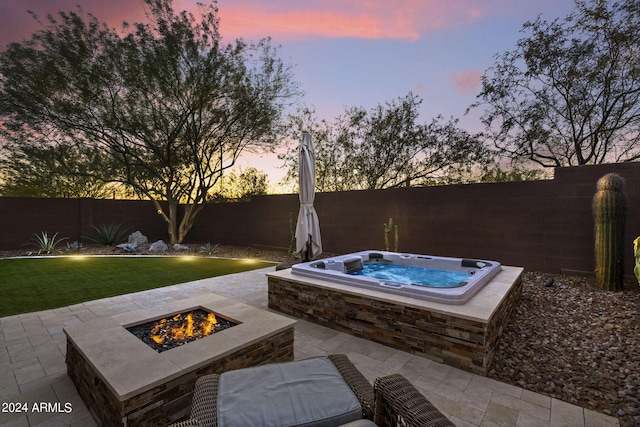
point(171, 332)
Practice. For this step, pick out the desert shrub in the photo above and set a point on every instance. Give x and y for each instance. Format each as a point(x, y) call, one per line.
point(109, 234)
point(46, 244)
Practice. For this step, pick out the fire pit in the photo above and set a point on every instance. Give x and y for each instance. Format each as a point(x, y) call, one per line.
point(174, 331)
point(125, 382)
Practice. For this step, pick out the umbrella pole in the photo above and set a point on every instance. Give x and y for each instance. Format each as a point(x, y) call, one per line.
point(307, 256)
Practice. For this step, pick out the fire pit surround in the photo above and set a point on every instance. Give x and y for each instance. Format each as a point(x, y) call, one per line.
point(125, 382)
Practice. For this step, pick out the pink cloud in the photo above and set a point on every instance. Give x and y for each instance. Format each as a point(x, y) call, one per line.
point(467, 82)
point(303, 24)
point(283, 20)
point(418, 88)
point(370, 19)
point(17, 25)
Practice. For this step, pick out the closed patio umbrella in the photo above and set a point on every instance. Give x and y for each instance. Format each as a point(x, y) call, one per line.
point(308, 242)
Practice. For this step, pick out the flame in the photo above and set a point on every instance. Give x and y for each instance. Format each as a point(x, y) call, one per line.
point(182, 328)
point(209, 324)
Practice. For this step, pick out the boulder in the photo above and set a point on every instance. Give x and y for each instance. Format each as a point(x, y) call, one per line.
point(128, 247)
point(179, 247)
point(138, 238)
point(158, 246)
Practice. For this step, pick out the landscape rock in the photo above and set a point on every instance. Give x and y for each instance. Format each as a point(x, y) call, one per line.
point(179, 247)
point(138, 238)
point(575, 343)
point(158, 246)
point(128, 247)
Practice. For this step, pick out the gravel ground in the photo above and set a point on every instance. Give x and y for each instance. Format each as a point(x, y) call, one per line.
point(568, 341)
point(575, 343)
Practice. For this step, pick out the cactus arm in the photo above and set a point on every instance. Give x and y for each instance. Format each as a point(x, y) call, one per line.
point(636, 253)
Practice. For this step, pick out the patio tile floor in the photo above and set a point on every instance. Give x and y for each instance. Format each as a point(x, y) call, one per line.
point(33, 372)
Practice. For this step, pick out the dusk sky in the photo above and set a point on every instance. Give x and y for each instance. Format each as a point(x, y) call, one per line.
point(351, 52)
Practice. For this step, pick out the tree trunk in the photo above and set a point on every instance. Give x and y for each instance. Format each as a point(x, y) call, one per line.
point(173, 223)
point(170, 219)
point(178, 233)
point(190, 213)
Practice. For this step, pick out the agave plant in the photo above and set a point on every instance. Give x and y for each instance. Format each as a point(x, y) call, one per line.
point(74, 247)
point(208, 248)
point(109, 234)
point(46, 244)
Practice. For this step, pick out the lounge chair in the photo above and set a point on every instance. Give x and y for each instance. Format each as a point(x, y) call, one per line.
point(321, 391)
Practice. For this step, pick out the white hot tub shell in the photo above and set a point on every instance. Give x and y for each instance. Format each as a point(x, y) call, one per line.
point(337, 269)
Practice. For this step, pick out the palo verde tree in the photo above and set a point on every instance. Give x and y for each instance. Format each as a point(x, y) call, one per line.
point(166, 105)
point(41, 171)
point(569, 94)
point(241, 185)
point(386, 147)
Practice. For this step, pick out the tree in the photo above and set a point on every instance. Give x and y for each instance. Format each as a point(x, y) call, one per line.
point(495, 173)
point(241, 185)
point(383, 148)
point(36, 171)
point(569, 94)
point(166, 105)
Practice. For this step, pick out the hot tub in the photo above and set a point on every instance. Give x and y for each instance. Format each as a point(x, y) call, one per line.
point(438, 279)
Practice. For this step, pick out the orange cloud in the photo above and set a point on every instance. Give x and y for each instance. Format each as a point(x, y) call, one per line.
point(467, 82)
point(370, 19)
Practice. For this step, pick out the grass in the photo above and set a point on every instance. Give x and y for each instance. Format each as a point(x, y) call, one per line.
point(34, 284)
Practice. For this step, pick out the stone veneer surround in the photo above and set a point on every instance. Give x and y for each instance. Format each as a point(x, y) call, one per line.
point(464, 336)
point(124, 382)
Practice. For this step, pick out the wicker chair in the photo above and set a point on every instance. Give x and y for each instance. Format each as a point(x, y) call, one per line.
point(357, 382)
point(399, 403)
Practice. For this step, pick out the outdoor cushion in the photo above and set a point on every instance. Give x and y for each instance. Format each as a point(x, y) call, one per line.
point(309, 393)
point(360, 423)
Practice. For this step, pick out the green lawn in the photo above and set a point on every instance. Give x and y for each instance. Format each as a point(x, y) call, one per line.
point(34, 284)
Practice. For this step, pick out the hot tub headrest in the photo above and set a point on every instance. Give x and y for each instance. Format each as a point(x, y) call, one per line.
point(352, 264)
point(475, 263)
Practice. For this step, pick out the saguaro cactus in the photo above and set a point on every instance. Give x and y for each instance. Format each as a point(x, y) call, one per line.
point(636, 255)
point(387, 229)
point(609, 215)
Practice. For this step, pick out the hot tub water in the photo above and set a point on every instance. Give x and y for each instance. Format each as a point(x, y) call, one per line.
point(418, 276)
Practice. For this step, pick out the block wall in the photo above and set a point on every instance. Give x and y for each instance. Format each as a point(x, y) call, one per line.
point(540, 225)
